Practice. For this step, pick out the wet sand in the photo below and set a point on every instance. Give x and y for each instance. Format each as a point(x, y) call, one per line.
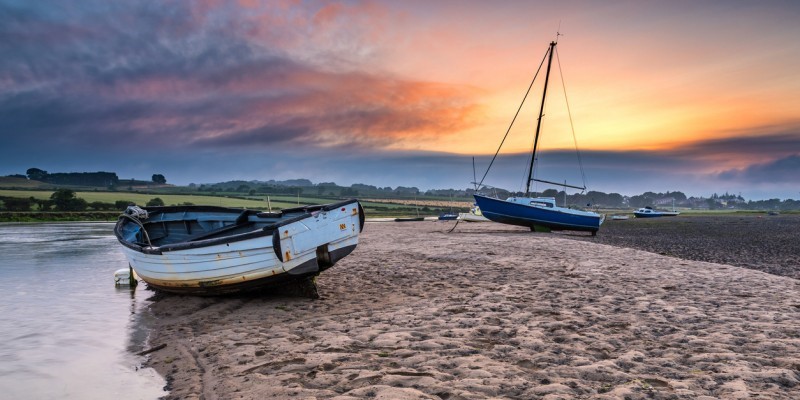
point(491, 311)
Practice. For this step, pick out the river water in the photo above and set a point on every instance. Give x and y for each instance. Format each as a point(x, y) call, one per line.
point(66, 331)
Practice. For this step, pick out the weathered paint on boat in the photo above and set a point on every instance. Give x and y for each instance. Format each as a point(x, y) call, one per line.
point(215, 250)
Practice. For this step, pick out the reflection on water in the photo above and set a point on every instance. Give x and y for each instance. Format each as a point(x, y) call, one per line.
point(67, 331)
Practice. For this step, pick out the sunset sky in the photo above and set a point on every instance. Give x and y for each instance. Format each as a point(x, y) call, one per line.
point(696, 96)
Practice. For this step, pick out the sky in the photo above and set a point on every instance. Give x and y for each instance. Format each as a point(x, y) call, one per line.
point(699, 97)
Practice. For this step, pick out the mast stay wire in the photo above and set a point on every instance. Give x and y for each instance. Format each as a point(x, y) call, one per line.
point(571, 125)
point(514, 119)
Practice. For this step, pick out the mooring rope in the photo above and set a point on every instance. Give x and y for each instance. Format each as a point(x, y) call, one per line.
point(454, 226)
point(136, 220)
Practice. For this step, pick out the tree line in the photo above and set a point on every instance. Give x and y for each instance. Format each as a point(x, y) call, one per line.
point(67, 200)
point(307, 188)
point(96, 179)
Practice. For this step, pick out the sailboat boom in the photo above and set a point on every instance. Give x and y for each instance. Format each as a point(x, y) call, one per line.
point(559, 184)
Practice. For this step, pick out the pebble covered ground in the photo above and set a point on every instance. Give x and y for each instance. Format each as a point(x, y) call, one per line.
point(767, 243)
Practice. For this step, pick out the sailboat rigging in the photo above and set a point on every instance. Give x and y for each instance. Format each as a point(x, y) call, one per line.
point(538, 213)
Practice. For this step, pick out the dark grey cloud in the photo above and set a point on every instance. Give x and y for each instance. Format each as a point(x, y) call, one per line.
point(49, 41)
point(785, 169)
point(753, 143)
point(611, 172)
point(177, 76)
point(280, 134)
point(67, 70)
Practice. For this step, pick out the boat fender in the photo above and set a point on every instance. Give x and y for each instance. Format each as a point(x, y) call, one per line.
point(125, 277)
point(324, 257)
point(361, 218)
point(276, 244)
point(242, 218)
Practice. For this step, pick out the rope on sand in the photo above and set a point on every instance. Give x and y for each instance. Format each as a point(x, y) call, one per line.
point(454, 226)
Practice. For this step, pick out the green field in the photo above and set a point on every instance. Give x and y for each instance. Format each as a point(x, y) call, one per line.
point(277, 202)
point(21, 183)
point(324, 200)
point(143, 198)
point(371, 208)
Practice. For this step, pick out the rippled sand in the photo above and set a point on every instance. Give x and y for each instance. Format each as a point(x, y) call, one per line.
point(491, 311)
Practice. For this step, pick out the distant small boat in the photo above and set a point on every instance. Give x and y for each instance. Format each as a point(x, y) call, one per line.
point(448, 217)
point(209, 250)
point(649, 212)
point(409, 219)
point(619, 217)
point(469, 217)
point(474, 215)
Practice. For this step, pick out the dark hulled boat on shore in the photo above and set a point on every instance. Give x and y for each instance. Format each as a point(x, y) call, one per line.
point(650, 212)
point(538, 213)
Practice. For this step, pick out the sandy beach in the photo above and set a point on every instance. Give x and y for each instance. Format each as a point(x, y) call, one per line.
point(491, 311)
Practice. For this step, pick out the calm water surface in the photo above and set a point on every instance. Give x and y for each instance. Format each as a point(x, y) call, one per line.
point(66, 331)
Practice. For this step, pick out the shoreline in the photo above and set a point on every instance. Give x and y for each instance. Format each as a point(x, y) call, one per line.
point(490, 310)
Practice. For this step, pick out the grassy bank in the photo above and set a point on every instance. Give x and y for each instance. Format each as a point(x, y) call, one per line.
point(143, 198)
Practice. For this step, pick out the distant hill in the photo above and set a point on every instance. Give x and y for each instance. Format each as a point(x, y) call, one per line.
point(9, 182)
point(271, 182)
point(135, 184)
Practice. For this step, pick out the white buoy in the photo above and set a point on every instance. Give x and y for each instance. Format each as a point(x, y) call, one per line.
point(125, 277)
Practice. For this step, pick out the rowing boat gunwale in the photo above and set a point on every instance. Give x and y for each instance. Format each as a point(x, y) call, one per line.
point(269, 230)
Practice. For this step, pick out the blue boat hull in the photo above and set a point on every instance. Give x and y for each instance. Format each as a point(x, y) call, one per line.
point(638, 215)
point(655, 214)
point(643, 215)
point(510, 213)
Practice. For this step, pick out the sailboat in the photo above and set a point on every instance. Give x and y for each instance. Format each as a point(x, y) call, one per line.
point(538, 213)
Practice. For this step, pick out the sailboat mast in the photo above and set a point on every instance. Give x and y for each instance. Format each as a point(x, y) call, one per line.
point(539, 121)
point(474, 177)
